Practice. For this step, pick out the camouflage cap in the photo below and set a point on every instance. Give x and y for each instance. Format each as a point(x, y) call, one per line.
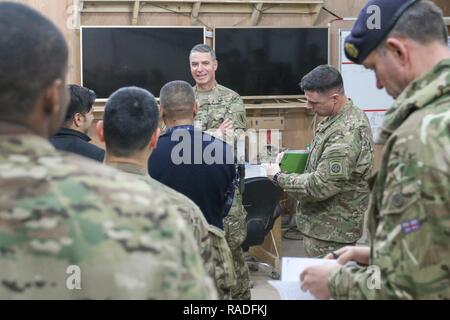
point(364, 37)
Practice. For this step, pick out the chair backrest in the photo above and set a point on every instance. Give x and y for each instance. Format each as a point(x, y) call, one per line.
point(260, 199)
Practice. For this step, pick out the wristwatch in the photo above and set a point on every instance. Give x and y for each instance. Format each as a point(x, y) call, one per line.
point(275, 178)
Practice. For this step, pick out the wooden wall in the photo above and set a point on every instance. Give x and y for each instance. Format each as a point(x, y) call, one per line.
point(297, 132)
point(59, 11)
point(298, 122)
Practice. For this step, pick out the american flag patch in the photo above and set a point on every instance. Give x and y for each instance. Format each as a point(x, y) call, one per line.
point(410, 226)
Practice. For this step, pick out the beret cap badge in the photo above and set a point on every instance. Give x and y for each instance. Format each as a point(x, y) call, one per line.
point(351, 50)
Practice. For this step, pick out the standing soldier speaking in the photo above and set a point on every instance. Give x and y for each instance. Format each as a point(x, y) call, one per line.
point(222, 114)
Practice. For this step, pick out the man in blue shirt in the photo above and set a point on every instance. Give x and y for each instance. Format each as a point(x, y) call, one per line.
point(191, 161)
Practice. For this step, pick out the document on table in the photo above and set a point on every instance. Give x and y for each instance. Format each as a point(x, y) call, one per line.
point(289, 285)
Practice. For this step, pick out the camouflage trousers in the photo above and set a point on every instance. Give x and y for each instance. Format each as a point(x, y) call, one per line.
point(316, 248)
point(223, 264)
point(235, 232)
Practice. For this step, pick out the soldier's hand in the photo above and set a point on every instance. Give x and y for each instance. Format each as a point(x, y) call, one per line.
point(315, 280)
point(360, 255)
point(226, 125)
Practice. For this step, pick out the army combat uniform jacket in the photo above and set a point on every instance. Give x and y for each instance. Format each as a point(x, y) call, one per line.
point(409, 210)
point(214, 249)
point(71, 228)
point(215, 107)
point(333, 192)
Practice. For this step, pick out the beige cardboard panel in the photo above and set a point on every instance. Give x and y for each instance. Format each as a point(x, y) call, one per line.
point(265, 123)
point(298, 129)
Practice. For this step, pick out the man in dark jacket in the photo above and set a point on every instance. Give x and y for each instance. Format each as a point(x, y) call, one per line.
point(73, 136)
point(191, 161)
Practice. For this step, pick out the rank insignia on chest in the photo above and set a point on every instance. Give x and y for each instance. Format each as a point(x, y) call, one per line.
point(410, 226)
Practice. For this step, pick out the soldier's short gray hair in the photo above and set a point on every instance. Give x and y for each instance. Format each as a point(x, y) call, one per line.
point(204, 49)
point(177, 98)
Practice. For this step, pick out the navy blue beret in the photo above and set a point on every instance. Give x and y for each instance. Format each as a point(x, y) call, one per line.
point(367, 33)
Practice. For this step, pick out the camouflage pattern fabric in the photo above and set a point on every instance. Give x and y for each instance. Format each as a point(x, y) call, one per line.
point(214, 248)
point(409, 212)
point(242, 291)
point(235, 223)
point(236, 231)
point(333, 192)
point(215, 107)
point(224, 273)
point(318, 248)
point(64, 217)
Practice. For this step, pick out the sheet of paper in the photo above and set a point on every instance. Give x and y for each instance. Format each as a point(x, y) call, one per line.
point(291, 267)
point(290, 290)
point(254, 170)
point(289, 285)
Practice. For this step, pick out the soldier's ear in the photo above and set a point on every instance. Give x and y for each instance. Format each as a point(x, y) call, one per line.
point(53, 106)
point(399, 50)
point(162, 114)
point(216, 64)
point(53, 98)
point(100, 131)
point(335, 97)
point(154, 139)
point(77, 119)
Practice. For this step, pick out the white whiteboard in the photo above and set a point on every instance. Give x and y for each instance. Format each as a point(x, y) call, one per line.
point(360, 86)
point(360, 83)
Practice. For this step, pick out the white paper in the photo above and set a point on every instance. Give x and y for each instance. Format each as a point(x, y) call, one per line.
point(289, 288)
point(254, 170)
point(291, 268)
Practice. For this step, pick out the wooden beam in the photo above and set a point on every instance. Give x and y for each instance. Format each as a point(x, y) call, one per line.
point(219, 1)
point(256, 13)
point(195, 11)
point(315, 11)
point(187, 8)
point(136, 8)
point(310, 8)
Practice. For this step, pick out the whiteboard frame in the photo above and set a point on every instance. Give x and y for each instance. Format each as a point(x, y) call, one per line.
point(341, 60)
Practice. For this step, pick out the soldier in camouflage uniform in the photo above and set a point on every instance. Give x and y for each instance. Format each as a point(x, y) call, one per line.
point(136, 125)
point(333, 192)
point(222, 114)
point(71, 228)
point(409, 212)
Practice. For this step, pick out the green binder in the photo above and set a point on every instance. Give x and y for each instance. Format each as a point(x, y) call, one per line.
point(294, 161)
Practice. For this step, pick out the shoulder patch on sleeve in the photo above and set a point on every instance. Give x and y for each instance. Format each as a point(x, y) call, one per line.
point(337, 168)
